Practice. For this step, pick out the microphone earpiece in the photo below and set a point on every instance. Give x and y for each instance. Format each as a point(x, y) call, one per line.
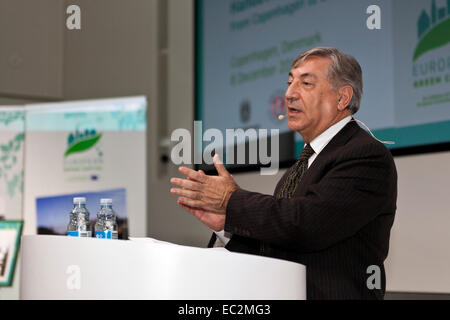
point(281, 117)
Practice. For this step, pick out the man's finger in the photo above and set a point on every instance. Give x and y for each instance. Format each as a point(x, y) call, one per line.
point(185, 193)
point(198, 213)
point(199, 171)
point(192, 211)
point(220, 167)
point(193, 175)
point(203, 216)
point(184, 183)
point(199, 204)
point(190, 202)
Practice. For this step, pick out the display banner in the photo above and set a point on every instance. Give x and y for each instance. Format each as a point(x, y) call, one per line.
point(12, 125)
point(422, 71)
point(92, 148)
point(241, 80)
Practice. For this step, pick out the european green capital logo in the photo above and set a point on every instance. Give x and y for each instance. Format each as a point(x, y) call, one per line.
point(433, 30)
point(81, 141)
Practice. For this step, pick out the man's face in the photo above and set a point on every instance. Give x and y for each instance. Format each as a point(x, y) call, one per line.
point(312, 105)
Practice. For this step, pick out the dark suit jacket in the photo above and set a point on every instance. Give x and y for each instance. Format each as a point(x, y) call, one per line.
point(337, 223)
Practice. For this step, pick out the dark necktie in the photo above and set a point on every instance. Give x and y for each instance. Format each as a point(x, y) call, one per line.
point(295, 175)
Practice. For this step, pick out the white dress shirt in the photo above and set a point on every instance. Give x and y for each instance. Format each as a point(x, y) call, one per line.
point(322, 140)
point(317, 144)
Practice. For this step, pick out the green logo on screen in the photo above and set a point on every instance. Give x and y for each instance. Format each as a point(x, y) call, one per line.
point(433, 30)
point(81, 141)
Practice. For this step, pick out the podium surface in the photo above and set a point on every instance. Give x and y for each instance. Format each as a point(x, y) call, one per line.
point(59, 267)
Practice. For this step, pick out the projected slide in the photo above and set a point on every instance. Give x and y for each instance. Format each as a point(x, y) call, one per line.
point(245, 50)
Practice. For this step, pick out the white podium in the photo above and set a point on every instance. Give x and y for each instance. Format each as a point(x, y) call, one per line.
point(59, 267)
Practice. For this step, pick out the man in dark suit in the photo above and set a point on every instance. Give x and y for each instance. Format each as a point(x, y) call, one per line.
point(333, 210)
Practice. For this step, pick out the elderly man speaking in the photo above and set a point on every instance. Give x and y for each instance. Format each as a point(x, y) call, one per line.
point(333, 210)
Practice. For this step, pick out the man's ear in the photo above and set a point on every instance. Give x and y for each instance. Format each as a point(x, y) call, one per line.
point(345, 96)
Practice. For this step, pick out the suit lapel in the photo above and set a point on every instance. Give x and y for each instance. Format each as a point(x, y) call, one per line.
point(323, 158)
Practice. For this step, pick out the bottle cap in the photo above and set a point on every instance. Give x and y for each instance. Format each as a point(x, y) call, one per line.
point(105, 201)
point(79, 200)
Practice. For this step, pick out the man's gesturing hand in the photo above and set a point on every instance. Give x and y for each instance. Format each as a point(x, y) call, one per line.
point(204, 195)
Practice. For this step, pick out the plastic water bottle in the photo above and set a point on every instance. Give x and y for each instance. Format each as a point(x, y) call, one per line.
point(106, 226)
point(79, 225)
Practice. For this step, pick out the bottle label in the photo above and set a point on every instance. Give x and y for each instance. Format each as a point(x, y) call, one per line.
point(81, 234)
point(108, 234)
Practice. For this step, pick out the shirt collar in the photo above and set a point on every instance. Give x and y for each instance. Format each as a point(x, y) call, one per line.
point(322, 140)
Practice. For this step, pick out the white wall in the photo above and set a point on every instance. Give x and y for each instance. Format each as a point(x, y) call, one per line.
point(167, 221)
point(419, 256)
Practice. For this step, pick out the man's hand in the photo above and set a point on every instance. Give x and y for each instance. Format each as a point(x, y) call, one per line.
point(206, 197)
point(212, 220)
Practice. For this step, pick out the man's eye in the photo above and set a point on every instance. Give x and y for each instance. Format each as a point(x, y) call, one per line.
point(307, 83)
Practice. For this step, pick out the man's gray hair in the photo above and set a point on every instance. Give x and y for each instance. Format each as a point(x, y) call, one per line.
point(344, 70)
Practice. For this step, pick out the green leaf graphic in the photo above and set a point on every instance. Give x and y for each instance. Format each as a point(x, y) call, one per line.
point(437, 37)
point(83, 145)
point(4, 148)
point(12, 185)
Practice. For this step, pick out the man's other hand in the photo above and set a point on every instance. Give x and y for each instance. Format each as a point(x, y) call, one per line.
point(206, 197)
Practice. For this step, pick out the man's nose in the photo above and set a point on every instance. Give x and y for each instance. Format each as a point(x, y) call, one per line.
point(291, 96)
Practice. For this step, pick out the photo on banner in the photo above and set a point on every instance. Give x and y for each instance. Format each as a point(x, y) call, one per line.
point(53, 213)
